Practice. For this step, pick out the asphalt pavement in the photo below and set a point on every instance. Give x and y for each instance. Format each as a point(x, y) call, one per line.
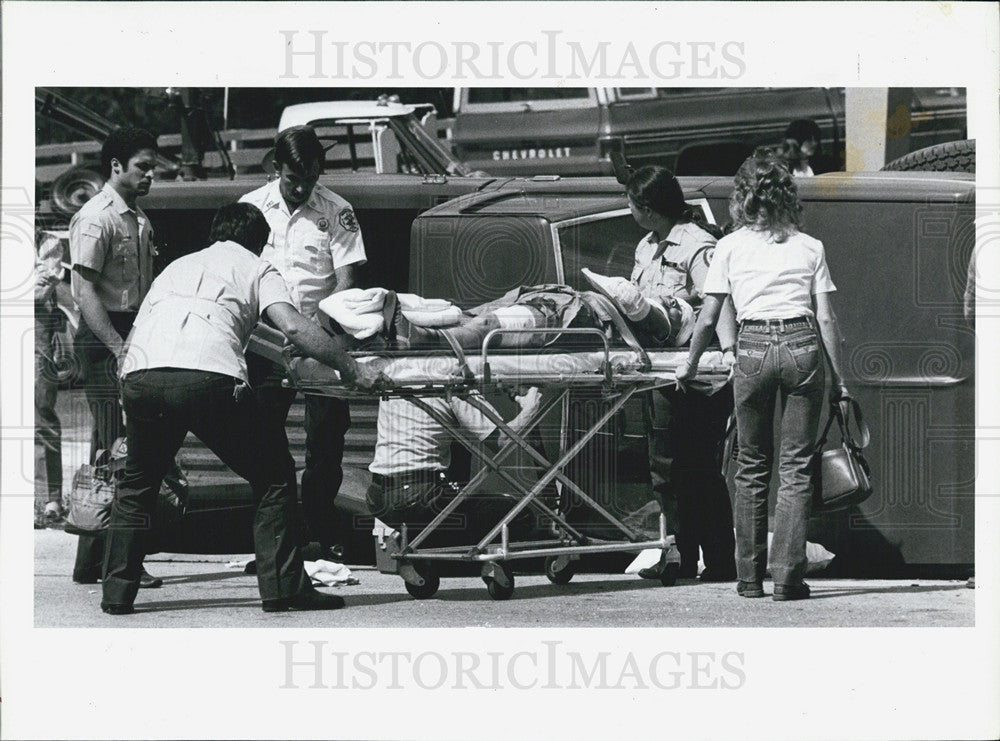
point(213, 592)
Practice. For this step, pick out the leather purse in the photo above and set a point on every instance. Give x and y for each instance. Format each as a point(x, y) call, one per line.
point(841, 476)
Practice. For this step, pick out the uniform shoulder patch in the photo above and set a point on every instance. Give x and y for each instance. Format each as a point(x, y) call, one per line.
point(348, 220)
point(707, 255)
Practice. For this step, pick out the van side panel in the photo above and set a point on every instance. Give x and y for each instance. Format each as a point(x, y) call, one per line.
point(474, 259)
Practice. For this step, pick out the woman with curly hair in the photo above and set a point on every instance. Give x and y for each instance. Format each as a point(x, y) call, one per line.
point(780, 286)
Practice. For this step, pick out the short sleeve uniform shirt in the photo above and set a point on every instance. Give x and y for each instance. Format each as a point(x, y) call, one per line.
point(676, 266)
point(201, 310)
point(116, 242)
point(307, 246)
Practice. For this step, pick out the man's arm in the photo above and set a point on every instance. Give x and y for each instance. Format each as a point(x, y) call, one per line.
point(345, 278)
point(93, 310)
point(314, 342)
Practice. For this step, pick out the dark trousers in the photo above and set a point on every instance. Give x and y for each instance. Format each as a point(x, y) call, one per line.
point(326, 423)
point(417, 497)
point(776, 363)
point(161, 407)
point(100, 383)
point(685, 467)
point(48, 431)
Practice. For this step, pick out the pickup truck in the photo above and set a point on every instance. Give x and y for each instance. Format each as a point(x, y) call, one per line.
point(693, 131)
point(898, 245)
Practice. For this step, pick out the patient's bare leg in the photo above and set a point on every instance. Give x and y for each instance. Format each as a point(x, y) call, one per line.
point(469, 334)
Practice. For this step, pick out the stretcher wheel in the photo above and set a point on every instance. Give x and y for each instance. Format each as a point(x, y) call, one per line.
point(559, 569)
point(495, 586)
point(668, 577)
point(431, 582)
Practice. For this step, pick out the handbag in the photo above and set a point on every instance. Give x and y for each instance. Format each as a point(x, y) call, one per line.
point(841, 476)
point(93, 491)
point(91, 494)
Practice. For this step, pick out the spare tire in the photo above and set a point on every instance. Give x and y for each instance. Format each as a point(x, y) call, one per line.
point(957, 156)
point(74, 188)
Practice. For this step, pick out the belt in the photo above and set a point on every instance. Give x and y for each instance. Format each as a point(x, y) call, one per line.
point(779, 324)
point(394, 481)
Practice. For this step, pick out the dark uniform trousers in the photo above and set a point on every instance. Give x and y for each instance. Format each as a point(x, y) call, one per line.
point(100, 383)
point(685, 466)
point(161, 406)
point(327, 421)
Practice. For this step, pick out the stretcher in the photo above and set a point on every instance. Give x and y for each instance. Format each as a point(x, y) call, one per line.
point(616, 374)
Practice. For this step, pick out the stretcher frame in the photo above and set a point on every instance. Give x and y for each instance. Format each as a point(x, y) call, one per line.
point(620, 378)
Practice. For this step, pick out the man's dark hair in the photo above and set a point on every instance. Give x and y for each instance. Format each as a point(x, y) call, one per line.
point(123, 143)
point(242, 223)
point(299, 148)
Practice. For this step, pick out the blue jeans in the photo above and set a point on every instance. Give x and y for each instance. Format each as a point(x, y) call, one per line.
point(781, 360)
point(48, 432)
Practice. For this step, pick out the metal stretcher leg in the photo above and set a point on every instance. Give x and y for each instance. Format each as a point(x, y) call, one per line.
point(559, 475)
point(493, 465)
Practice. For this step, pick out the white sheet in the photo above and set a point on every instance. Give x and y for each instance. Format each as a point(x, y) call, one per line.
point(523, 367)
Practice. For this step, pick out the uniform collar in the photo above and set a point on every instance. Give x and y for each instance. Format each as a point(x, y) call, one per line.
point(274, 199)
point(117, 201)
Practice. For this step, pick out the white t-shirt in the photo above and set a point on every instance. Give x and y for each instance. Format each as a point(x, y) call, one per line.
point(769, 279)
point(409, 439)
point(200, 311)
point(308, 246)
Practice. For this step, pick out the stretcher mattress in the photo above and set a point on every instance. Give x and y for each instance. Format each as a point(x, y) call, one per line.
point(585, 368)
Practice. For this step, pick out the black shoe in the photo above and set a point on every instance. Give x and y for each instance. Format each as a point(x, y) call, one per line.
point(251, 567)
point(114, 609)
point(148, 581)
point(717, 576)
point(971, 584)
point(788, 592)
point(655, 571)
point(311, 600)
point(86, 577)
point(750, 589)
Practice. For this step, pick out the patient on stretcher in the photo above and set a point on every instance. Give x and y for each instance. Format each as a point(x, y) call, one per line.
point(407, 322)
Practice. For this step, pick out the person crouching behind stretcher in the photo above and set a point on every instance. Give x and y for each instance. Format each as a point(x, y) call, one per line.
point(656, 322)
point(410, 481)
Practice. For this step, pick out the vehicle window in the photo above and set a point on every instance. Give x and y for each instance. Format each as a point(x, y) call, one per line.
point(666, 92)
point(525, 94)
point(605, 245)
point(635, 92)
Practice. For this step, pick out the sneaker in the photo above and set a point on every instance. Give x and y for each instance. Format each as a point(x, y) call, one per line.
point(788, 592)
point(54, 513)
point(750, 589)
point(309, 600)
point(623, 293)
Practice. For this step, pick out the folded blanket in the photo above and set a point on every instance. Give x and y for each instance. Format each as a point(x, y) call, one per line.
point(358, 311)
